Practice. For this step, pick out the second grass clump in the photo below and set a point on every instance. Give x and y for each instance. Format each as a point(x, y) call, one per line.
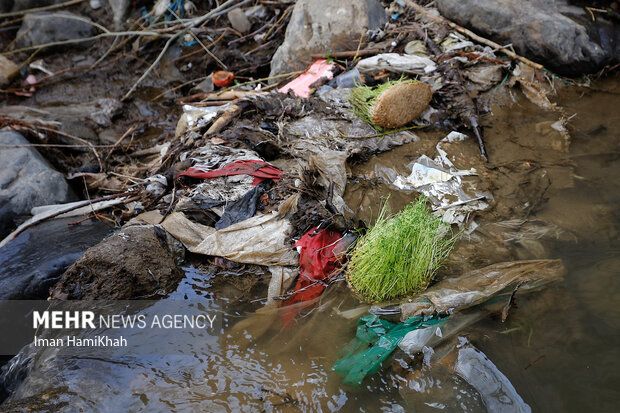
point(400, 254)
point(392, 104)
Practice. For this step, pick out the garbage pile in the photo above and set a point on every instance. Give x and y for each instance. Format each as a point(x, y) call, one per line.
point(256, 171)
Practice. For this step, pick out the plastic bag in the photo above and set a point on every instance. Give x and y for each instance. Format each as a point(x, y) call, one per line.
point(480, 285)
point(374, 341)
point(464, 379)
point(259, 240)
point(240, 210)
point(441, 182)
point(318, 263)
point(397, 63)
point(260, 170)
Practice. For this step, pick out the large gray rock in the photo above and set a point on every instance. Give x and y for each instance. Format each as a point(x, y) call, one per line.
point(42, 28)
point(551, 32)
point(26, 181)
point(29, 267)
point(321, 26)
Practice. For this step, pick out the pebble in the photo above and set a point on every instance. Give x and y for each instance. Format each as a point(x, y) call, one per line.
point(239, 21)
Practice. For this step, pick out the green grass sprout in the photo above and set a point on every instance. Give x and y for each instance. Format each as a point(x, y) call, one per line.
point(400, 254)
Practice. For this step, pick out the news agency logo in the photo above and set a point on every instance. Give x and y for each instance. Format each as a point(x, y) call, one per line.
point(90, 326)
point(87, 320)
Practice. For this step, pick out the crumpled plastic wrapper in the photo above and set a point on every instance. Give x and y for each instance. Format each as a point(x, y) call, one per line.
point(260, 240)
point(452, 198)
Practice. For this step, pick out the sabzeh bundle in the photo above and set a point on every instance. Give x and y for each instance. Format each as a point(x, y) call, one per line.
point(400, 254)
point(392, 104)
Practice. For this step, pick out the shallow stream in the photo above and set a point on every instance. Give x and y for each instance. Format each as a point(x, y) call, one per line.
point(560, 347)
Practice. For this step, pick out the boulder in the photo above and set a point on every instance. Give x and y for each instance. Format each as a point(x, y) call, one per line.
point(29, 267)
point(26, 181)
point(41, 28)
point(139, 261)
point(551, 32)
point(321, 26)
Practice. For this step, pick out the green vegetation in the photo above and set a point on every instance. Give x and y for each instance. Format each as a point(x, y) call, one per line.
point(400, 254)
point(363, 98)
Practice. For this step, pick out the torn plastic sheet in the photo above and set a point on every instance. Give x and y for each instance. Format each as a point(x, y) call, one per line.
point(156, 184)
point(441, 182)
point(534, 91)
point(455, 42)
point(318, 264)
point(397, 63)
point(301, 85)
point(240, 210)
point(260, 240)
point(485, 76)
point(260, 170)
point(374, 341)
point(478, 286)
point(330, 164)
point(224, 188)
point(319, 259)
point(464, 379)
point(496, 390)
point(281, 280)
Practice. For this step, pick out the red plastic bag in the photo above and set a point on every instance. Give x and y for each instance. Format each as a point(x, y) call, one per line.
point(318, 265)
point(258, 169)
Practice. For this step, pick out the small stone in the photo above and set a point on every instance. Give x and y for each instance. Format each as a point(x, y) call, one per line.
point(416, 47)
point(8, 70)
point(239, 21)
point(401, 104)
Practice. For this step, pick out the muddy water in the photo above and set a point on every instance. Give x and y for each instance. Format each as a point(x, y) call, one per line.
point(559, 347)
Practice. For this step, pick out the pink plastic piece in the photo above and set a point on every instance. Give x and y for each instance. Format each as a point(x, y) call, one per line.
point(301, 85)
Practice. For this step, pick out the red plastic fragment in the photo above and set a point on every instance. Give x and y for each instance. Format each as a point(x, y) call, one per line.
point(222, 78)
point(301, 85)
point(318, 265)
point(258, 169)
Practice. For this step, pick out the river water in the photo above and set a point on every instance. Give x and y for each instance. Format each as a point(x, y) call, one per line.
point(560, 347)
